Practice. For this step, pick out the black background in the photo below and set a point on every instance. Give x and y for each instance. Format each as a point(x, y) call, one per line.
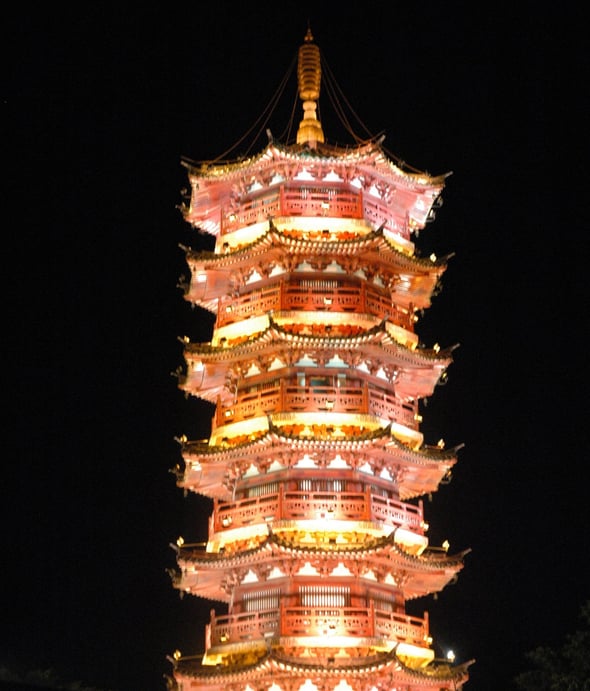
point(100, 104)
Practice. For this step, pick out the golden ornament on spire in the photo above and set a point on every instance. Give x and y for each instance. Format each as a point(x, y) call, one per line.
point(309, 76)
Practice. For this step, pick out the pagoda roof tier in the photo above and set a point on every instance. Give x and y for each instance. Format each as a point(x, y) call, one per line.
point(411, 279)
point(413, 372)
point(211, 470)
point(324, 158)
point(386, 669)
point(366, 167)
point(209, 575)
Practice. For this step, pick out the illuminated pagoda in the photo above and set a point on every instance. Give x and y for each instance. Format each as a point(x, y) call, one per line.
point(315, 463)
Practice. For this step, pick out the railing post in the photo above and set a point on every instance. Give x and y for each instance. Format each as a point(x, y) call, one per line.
point(282, 618)
point(207, 637)
point(217, 416)
point(212, 519)
point(281, 293)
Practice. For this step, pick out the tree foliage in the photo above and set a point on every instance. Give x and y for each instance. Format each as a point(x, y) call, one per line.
point(566, 668)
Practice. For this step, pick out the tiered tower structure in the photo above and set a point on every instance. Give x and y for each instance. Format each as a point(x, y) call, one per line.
point(315, 464)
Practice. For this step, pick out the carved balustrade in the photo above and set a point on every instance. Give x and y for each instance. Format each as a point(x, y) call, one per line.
point(401, 627)
point(282, 397)
point(365, 622)
point(296, 504)
point(293, 200)
point(255, 210)
point(252, 404)
point(386, 405)
point(305, 200)
point(378, 214)
point(251, 304)
point(309, 200)
point(236, 628)
point(354, 298)
point(248, 511)
point(326, 621)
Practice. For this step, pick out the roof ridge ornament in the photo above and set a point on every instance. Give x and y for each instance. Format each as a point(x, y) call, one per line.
point(309, 77)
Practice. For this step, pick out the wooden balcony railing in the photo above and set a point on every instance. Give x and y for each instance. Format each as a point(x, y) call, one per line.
point(253, 211)
point(283, 397)
point(292, 505)
point(305, 200)
point(354, 298)
point(322, 201)
point(377, 213)
point(236, 628)
point(362, 622)
point(293, 200)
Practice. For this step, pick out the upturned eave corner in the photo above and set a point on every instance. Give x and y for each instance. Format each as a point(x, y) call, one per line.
point(317, 466)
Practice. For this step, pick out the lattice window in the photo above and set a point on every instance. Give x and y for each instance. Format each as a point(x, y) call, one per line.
point(379, 491)
point(384, 603)
point(261, 600)
point(264, 490)
point(317, 485)
point(324, 596)
point(264, 386)
point(319, 285)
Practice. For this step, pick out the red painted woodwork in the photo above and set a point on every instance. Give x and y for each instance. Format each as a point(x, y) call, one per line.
point(316, 462)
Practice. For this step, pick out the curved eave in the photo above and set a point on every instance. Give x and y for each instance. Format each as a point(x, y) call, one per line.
point(423, 574)
point(373, 247)
point(273, 664)
point(214, 184)
point(369, 154)
point(385, 548)
point(427, 455)
point(273, 237)
point(419, 368)
point(208, 466)
point(275, 334)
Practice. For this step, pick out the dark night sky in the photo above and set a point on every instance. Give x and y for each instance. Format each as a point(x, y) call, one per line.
point(101, 104)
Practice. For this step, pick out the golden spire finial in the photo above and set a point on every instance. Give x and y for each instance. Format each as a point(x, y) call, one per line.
point(309, 76)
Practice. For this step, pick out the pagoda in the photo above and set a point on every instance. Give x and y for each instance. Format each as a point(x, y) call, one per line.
point(315, 466)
